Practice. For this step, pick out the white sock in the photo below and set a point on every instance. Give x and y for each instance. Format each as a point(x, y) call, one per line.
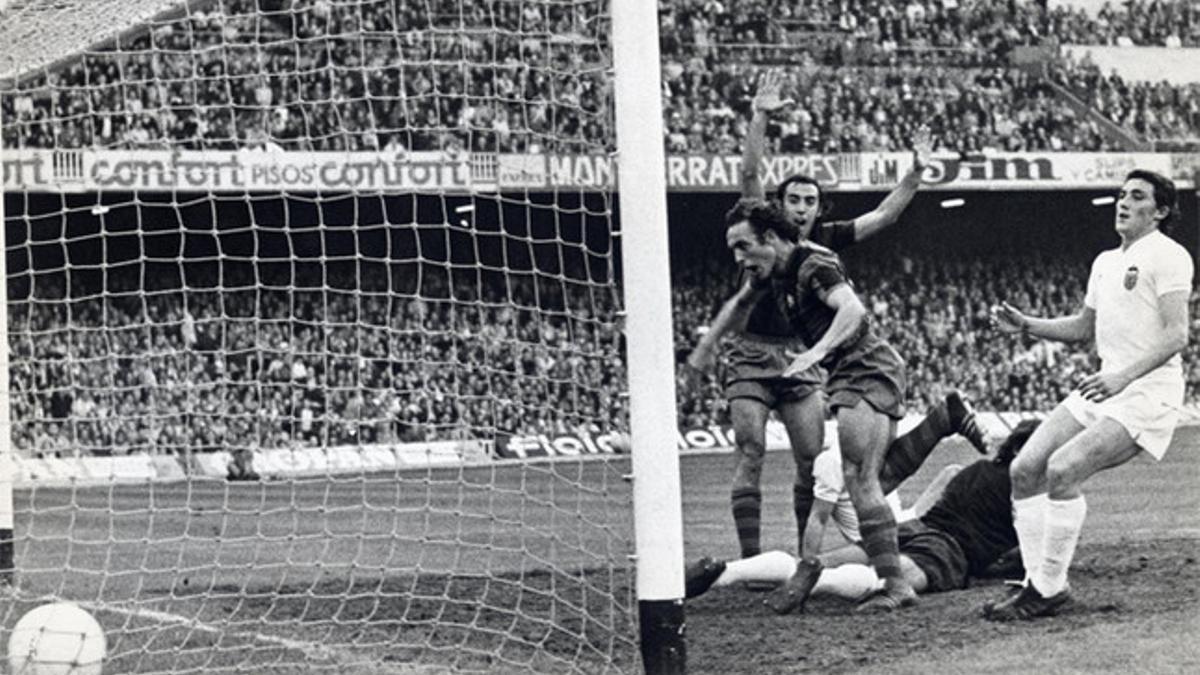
point(1029, 520)
point(777, 566)
point(851, 581)
point(1064, 521)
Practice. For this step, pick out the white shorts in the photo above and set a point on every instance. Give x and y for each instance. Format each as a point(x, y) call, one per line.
point(1144, 408)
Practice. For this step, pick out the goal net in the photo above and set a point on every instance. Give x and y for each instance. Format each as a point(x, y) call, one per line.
point(315, 336)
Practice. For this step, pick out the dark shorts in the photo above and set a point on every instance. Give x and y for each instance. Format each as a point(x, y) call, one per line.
point(771, 391)
point(937, 554)
point(871, 372)
point(755, 371)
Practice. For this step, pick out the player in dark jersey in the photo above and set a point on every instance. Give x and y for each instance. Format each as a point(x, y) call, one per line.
point(866, 379)
point(967, 534)
point(757, 357)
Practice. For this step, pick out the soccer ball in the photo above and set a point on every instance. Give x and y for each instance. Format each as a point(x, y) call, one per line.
point(56, 639)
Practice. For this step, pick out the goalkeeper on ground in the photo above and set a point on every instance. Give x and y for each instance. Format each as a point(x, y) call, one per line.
point(967, 533)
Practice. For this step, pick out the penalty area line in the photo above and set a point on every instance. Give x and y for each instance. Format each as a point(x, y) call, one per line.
point(310, 649)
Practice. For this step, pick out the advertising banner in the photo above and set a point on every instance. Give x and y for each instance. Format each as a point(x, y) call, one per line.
point(462, 173)
point(239, 171)
point(1021, 171)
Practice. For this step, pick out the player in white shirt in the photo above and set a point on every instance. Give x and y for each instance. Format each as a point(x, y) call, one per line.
point(1136, 309)
point(831, 502)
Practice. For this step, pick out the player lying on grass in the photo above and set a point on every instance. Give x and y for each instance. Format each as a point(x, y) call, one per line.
point(964, 535)
point(831, 500)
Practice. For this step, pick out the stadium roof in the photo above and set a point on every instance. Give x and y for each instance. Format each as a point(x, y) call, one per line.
point(37, 34)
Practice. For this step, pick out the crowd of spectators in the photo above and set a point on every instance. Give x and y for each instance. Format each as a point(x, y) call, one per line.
point(877, 109)
point(1128, 23)
point(1153, 110)
point(262, 365)
point(265, 365)
point(530, 77)
point(893, 31)
point(445, 75)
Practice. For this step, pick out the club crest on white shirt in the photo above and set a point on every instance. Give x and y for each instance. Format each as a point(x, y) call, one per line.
point(1131, 277)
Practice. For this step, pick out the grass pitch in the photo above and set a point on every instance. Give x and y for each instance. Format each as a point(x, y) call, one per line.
point(523, 568)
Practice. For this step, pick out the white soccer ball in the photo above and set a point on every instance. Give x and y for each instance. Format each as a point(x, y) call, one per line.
point(56, 639)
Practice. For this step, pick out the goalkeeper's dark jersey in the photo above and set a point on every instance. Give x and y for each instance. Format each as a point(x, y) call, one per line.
point(976, 510)
point(758, 352)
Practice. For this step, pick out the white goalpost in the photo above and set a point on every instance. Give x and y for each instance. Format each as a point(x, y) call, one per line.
point(643, 191)
point(322, 329)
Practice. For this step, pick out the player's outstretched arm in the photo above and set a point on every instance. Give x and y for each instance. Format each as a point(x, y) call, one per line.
point(732, 317)
point(849, 315)
point(1073, 328)
point(766, 102)
point(814, 529)
point(889, 210)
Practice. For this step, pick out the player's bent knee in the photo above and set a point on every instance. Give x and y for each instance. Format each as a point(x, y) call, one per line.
point(1063, 476)
point(1027, 477)
point(751, 452)
point(867, 495)
point(857, 477)
point(747, 475)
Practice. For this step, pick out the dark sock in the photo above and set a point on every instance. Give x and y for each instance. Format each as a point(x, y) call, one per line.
point(747, 518)
point(906, 454)
point(878, 529)
point(802, 502)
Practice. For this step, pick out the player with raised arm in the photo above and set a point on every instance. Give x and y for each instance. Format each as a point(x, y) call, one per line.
point(1136, 309)
point(966, 534)
point(866, 379)
point(757, 358)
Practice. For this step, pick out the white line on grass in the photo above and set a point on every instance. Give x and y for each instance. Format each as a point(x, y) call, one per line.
point(309, 649)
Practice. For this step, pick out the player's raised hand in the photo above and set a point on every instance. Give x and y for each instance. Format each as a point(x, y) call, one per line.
point(922, 146)
point(1008, 319)
point(768, 98)
point(801, 362)
point(1099, 386)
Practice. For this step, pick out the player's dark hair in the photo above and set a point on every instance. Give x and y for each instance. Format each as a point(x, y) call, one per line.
point(762, 216)
point(824, 204)
point(1015, 441)
point(1165, 195)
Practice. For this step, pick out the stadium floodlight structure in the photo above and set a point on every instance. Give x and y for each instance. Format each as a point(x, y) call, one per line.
point(317, 339)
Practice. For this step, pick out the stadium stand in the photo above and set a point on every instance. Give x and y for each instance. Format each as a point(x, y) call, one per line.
point(406, 369)
point(233, 374)
point(242, 75)
point(320, 77)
